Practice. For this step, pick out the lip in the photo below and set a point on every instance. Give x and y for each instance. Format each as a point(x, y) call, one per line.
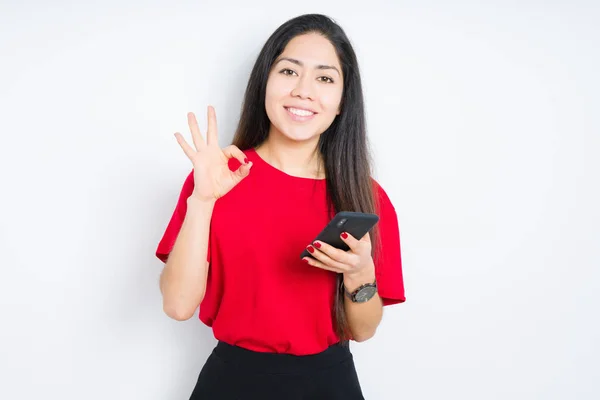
point(299, 118)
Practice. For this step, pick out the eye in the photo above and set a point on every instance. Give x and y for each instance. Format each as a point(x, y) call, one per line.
point(326, 79)
point(287, 71)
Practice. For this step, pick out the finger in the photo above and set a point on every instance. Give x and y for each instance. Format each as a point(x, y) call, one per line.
point(333, 253)
point(196, 135)
point(187, 149)
point(319, 264)
point(326, 260)
point(350, 240)
point(242, 172)
point(366, 238)
point(212, 133)
point(234, 152)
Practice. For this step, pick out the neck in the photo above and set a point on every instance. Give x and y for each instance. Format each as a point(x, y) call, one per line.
point(299, 159)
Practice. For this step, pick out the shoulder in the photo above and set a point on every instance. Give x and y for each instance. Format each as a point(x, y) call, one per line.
point(187, 188)
point(189, 180)
point(382, 200)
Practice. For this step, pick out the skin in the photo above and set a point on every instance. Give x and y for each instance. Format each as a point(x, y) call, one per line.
point(291, 146)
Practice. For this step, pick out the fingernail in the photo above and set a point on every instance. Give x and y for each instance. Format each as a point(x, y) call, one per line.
point(233, 164)
point(305, 260)
point(344, 235)
point(317, 245)
point(245, 161)
point(310, 249)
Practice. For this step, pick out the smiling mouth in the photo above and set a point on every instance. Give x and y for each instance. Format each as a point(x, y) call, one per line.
point(299, 115)
point(299, 112)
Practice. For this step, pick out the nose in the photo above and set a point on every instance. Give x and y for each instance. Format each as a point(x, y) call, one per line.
point(304, 88)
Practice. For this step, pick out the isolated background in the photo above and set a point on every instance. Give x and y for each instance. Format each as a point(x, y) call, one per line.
point(483, 117)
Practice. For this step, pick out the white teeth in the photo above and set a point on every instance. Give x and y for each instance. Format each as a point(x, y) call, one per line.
point(301, 113)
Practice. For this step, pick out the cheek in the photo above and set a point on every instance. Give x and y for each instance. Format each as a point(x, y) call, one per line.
point(330, 101)
point(275, 92)
point(276, 88)
point(269, 94)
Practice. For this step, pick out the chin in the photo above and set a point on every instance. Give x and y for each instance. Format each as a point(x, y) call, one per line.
point(296, 133)
point(300, 135)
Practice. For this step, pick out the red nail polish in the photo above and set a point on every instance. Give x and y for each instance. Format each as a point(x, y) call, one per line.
point(317, 245)
point(233, 164)
point(344, 235)
point(245, 160)
point(310, 249)
point(305, 260)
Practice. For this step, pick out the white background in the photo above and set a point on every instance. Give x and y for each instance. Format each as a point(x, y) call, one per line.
point(484, 121)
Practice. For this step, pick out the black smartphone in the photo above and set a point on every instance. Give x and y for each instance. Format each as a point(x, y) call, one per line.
point(357, 224)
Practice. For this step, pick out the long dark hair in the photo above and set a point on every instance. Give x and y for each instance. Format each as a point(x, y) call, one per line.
point(343, 146)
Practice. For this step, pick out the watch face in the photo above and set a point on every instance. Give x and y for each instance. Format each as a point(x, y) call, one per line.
point(365, 294)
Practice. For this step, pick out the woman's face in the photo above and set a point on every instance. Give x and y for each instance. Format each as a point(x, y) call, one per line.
point(304, 88)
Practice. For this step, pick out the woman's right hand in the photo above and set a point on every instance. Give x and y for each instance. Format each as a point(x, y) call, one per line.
point(212, 176)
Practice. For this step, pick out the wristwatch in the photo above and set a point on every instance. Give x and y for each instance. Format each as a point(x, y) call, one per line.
point(363, 294)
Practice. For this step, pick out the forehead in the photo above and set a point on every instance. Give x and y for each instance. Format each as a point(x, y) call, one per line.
point(311, 49)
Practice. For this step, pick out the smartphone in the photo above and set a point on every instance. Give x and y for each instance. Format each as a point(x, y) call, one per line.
point(357, 224)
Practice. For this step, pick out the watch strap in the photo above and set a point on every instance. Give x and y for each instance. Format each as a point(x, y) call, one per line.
point(352, 295)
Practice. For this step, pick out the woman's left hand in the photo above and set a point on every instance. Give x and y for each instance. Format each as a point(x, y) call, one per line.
point(355, 263)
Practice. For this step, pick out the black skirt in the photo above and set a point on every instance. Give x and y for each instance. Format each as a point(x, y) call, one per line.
point(232, 372)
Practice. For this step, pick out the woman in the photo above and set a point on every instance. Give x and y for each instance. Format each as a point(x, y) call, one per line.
point(246, 213)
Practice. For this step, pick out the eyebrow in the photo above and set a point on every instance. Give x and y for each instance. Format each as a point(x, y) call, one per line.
point(300, 63)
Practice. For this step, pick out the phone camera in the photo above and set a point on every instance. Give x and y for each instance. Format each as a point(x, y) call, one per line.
point(342, 222)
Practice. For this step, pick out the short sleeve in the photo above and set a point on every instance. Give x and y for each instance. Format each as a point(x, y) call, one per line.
point(388, 258)
point(170, 235)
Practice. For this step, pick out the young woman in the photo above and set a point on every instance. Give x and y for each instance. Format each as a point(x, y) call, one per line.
point(246, 212)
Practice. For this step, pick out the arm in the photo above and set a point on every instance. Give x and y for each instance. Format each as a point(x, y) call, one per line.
point(358, 268)
point(183, 279)
point(363, 318)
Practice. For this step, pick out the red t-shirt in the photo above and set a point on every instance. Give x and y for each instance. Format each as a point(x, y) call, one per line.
point(259, 294)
